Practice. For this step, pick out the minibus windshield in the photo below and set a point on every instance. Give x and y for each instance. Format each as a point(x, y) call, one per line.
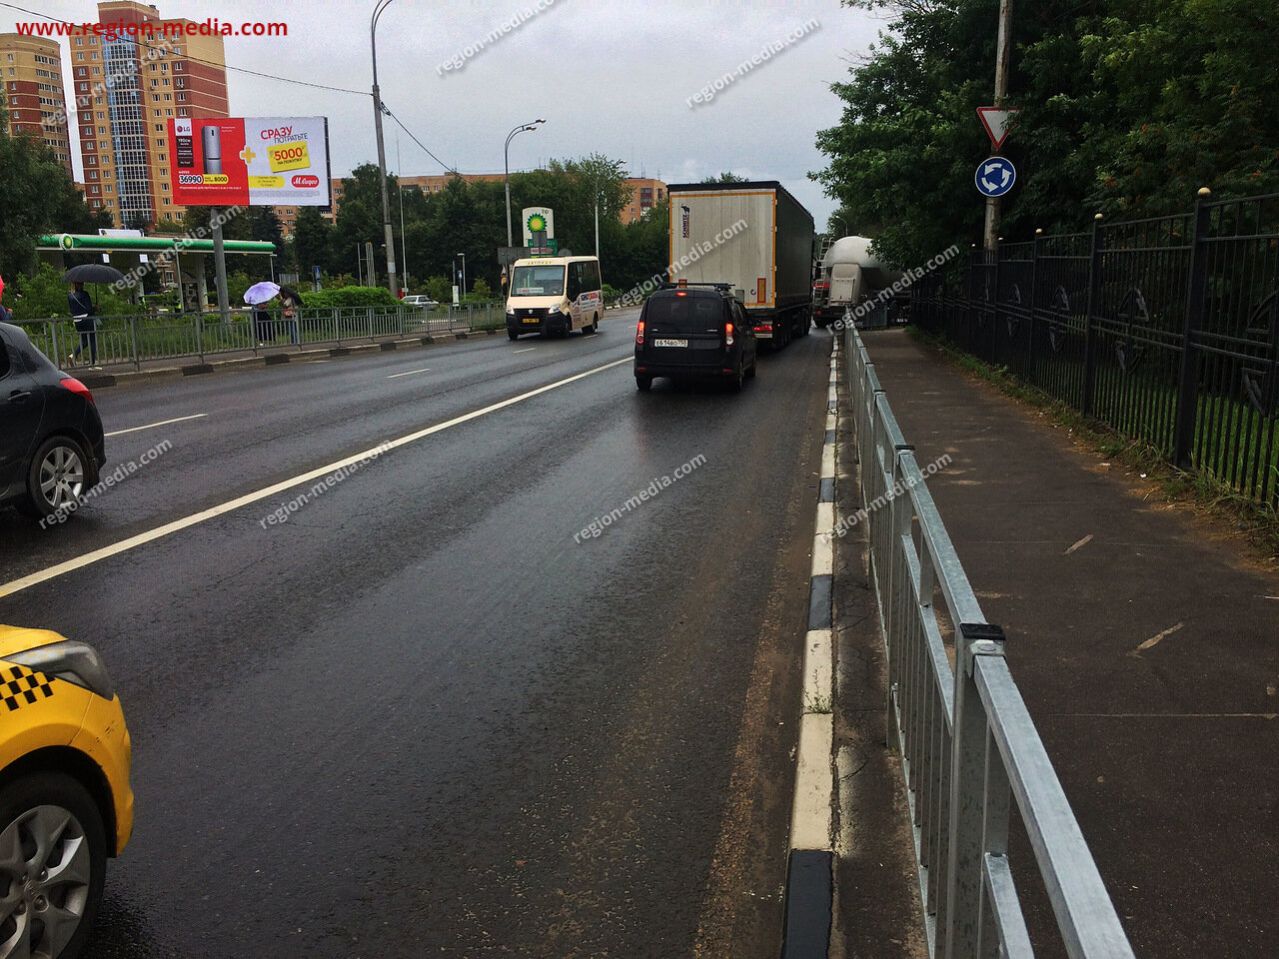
point(538, 281)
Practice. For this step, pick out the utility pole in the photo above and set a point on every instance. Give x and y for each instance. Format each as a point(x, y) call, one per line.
point(1003, 55)
point(399, 189)
point(219, 264)
point(506, 166)
point(391, 280)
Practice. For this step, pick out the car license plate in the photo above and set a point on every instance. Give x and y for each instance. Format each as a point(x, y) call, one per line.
point(531, 319)
point(670, 342)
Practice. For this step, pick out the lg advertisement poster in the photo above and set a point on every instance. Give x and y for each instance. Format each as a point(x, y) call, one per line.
point(251, 161)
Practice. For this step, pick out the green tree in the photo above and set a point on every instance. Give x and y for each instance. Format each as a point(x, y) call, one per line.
point(37, 197)
point(726, 177)
point(1127, 106)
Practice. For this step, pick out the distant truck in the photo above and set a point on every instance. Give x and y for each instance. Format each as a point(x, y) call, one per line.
point(755, 237)
point(849, 274)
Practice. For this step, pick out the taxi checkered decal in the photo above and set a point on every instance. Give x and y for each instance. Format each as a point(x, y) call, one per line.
point(20, 687)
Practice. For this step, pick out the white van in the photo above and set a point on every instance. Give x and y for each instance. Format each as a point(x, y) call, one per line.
point(554, 295)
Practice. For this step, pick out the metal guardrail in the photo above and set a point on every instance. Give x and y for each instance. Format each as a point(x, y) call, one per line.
point(969, 747)
point(133, 340)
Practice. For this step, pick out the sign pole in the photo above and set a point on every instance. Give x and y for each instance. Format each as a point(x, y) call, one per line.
point(1003, 54)
point(219, 264)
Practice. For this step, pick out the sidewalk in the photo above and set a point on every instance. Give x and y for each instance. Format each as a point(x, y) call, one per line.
point(1145, 643)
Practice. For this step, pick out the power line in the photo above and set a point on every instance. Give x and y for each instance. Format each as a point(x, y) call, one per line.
point(142, 43)
point(447, 168)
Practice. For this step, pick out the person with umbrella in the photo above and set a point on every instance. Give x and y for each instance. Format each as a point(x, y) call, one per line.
point(86, 324)
point(258, 296)
point(83, 312)
point(291, 303)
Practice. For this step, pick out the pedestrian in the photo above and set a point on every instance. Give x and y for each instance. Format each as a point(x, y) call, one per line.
point(262, 324)
point(289, 311)
point(5, 315)
point(85, 318)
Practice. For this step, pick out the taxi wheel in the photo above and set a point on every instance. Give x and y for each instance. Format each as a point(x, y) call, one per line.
point(50, 889)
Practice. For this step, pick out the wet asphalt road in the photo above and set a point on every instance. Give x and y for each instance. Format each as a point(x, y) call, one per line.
point(418, 718)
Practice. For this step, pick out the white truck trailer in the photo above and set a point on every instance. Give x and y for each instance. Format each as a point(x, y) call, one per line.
point(849, 274)
point(754, 236)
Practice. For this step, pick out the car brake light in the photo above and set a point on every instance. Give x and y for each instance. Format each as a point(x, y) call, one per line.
point(639, 333)
point(680, 293)
point(764, 328)
point(728, 334)
point(75, 386)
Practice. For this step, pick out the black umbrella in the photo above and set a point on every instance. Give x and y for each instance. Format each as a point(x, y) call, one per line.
point(290, 293)
point(93, 273)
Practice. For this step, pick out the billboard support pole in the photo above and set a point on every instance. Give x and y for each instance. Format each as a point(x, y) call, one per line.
point(219, 264)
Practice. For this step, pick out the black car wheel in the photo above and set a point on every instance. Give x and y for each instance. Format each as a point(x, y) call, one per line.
point(735, 384)
point(511, 334)
point(53, 832)
point(750, 373)
point(57, 477)
point(644, 383)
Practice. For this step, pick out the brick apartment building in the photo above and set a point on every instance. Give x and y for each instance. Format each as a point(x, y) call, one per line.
point(33, 92)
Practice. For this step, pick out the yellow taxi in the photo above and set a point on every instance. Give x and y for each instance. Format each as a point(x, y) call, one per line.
point(65, 800)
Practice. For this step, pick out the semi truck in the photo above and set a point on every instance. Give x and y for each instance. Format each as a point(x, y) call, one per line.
point(849, 274)
point(755, 237)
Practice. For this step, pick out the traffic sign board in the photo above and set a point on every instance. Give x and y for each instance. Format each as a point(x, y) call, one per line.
point(995, 176)
point(995, 121)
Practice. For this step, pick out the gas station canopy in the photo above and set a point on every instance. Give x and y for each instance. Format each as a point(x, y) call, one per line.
point(148, 244)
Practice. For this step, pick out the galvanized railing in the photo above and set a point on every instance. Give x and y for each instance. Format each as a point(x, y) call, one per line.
point(969, 747)
point(124, 341)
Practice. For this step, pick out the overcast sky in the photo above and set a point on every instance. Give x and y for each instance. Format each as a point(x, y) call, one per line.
point(609, 76)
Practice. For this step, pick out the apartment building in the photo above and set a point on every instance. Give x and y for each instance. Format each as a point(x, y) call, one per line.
point(646, 193)
point(33, 93)
point(126, 89)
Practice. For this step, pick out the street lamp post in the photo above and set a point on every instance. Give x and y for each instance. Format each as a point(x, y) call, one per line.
point(392, 281)
point(463, 256)
point(506, 162)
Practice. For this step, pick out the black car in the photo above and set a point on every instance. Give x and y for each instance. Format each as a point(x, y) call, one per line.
point(51, 443)
point(694, 331)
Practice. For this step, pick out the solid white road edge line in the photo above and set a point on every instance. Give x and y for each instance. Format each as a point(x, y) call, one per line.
point(151, 426)
point(168, 529)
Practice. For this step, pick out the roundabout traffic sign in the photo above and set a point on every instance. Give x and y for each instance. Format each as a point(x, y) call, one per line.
point(995, 176)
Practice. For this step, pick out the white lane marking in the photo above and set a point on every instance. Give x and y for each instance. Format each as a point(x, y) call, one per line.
point(151, 426)
point(529, 350)
point(1079, 544)
point(409, 373)
point(1156, 639)
point(168, 529)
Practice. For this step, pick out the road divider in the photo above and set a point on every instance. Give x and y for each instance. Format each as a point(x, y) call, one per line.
point(810, 865)
point(203, 516)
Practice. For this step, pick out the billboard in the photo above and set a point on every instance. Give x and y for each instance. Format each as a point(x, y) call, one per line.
point(251, 161)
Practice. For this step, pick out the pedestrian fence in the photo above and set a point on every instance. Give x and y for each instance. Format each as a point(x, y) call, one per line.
point(124, 341)
point(1166, 329)
point(970, 751)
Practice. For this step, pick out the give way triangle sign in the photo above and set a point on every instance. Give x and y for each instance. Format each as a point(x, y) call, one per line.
point(996, 120)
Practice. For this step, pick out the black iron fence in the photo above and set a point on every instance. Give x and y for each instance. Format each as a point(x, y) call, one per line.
point(1166, 329)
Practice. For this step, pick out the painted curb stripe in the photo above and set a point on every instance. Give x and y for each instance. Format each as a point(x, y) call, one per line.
point(809, 888)
point(811, 817)
point(819, 603)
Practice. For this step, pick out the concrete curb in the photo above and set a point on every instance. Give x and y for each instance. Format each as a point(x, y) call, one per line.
point(810, 867)
point(97, 381)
